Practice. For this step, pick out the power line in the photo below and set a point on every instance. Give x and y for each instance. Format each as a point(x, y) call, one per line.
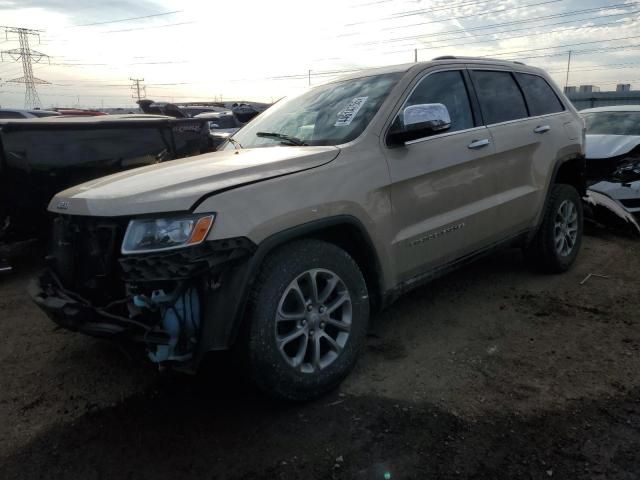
point(578, 52)
point(149, 28)
point(529, 28)
point(419, 12)
point(482, 14)
point(609, 66)
point(129, 19)
point(511, 22)
point(563, 46)
point(448, 45)
point(466, 32)
point(159, 62)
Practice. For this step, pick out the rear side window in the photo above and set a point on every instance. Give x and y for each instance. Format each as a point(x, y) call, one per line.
point(449, 89)
point(499, 96)
point(541, 98)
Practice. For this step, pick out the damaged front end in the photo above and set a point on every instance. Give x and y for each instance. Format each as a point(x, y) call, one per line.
point(168, 300)
point(621, 181)
point(613, 195)
point(604, 210)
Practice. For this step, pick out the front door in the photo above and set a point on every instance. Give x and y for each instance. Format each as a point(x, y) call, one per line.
point(442, 185)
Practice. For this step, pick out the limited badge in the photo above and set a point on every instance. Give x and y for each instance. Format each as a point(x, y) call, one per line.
point(62, 205)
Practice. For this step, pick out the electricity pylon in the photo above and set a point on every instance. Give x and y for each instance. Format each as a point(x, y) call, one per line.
point(27, 57)
point(139, 91)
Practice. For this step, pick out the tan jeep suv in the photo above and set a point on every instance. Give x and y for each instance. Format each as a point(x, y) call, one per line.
point(321, 210)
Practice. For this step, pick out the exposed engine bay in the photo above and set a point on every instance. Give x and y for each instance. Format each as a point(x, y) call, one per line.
point(620, 179)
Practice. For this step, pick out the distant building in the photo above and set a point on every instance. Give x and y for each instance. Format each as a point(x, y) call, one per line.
point(623, 87)
point(570, 89)
point(589, 89)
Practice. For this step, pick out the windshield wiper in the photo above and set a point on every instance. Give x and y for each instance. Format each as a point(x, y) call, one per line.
point(281, 136)
point(235, 143)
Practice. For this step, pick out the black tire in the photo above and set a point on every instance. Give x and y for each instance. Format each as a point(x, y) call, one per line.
point(541, 253)
point(267, 367)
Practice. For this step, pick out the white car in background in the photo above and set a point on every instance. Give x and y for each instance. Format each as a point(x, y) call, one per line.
point(613, 153)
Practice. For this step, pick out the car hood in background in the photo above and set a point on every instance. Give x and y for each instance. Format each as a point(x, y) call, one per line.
point(178, 185)
point(608, 146)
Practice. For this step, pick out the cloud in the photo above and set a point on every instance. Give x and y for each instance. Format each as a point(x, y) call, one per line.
point(210, 50)
point(88, 10)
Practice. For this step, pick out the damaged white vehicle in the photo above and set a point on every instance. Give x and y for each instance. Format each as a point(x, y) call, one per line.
point(613, 153)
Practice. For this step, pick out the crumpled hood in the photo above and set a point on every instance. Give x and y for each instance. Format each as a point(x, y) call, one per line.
point(176, 185)
point(608, 146)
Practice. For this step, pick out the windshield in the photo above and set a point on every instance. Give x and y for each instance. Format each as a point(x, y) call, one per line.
point(613, 123)
point(330, 114)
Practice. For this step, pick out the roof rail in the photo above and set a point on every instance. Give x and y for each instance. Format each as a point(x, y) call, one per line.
point(453, 57)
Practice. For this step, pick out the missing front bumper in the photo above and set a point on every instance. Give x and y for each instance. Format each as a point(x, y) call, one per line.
point(79, 315)
point(91, 289)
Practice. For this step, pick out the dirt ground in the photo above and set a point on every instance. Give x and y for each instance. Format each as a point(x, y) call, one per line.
point(491, 372)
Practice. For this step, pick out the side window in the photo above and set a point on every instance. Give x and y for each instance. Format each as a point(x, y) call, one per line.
point(449, 89)
point(540, 96)
point(499, 96)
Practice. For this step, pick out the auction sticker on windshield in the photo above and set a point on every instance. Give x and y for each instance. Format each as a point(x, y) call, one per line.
point(347, 114)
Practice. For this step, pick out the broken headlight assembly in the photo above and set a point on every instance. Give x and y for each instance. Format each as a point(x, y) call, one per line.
point(628, 170)
point(159, 234)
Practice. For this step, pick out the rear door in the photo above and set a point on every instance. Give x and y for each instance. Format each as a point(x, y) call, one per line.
point(523, 144)
point(440, 182)
point(548, 130)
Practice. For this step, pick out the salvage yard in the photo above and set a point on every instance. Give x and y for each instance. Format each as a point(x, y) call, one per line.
point(490, 372)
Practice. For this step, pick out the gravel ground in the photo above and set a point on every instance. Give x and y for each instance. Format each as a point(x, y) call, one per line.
point(490, 372)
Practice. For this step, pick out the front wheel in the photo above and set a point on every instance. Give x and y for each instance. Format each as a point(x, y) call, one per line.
point(307, 320)
point(557, 243)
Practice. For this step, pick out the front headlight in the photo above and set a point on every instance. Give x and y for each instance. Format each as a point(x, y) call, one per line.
point(157, 234)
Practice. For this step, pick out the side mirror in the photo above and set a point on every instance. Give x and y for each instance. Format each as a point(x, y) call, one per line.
point(420, 121)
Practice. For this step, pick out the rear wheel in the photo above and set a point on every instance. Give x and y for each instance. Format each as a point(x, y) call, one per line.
point(307, 320)
point(557, 243)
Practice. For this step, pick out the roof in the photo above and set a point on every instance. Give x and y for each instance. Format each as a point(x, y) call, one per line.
point(103, 121)
point(613, 108)
point(404, 67)
point(63, 119)
point(25, 110)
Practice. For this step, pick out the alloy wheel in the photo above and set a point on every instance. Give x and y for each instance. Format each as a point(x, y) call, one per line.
point(565, 229)
point(313, 320)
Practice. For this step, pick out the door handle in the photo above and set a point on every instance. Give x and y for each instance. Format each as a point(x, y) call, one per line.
point(478, 143)
point(542, 128)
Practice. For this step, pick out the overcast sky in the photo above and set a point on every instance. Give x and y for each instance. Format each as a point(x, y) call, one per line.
point(261, 50)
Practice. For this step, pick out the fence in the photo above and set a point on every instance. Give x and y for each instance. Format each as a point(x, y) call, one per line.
point(603, 99)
